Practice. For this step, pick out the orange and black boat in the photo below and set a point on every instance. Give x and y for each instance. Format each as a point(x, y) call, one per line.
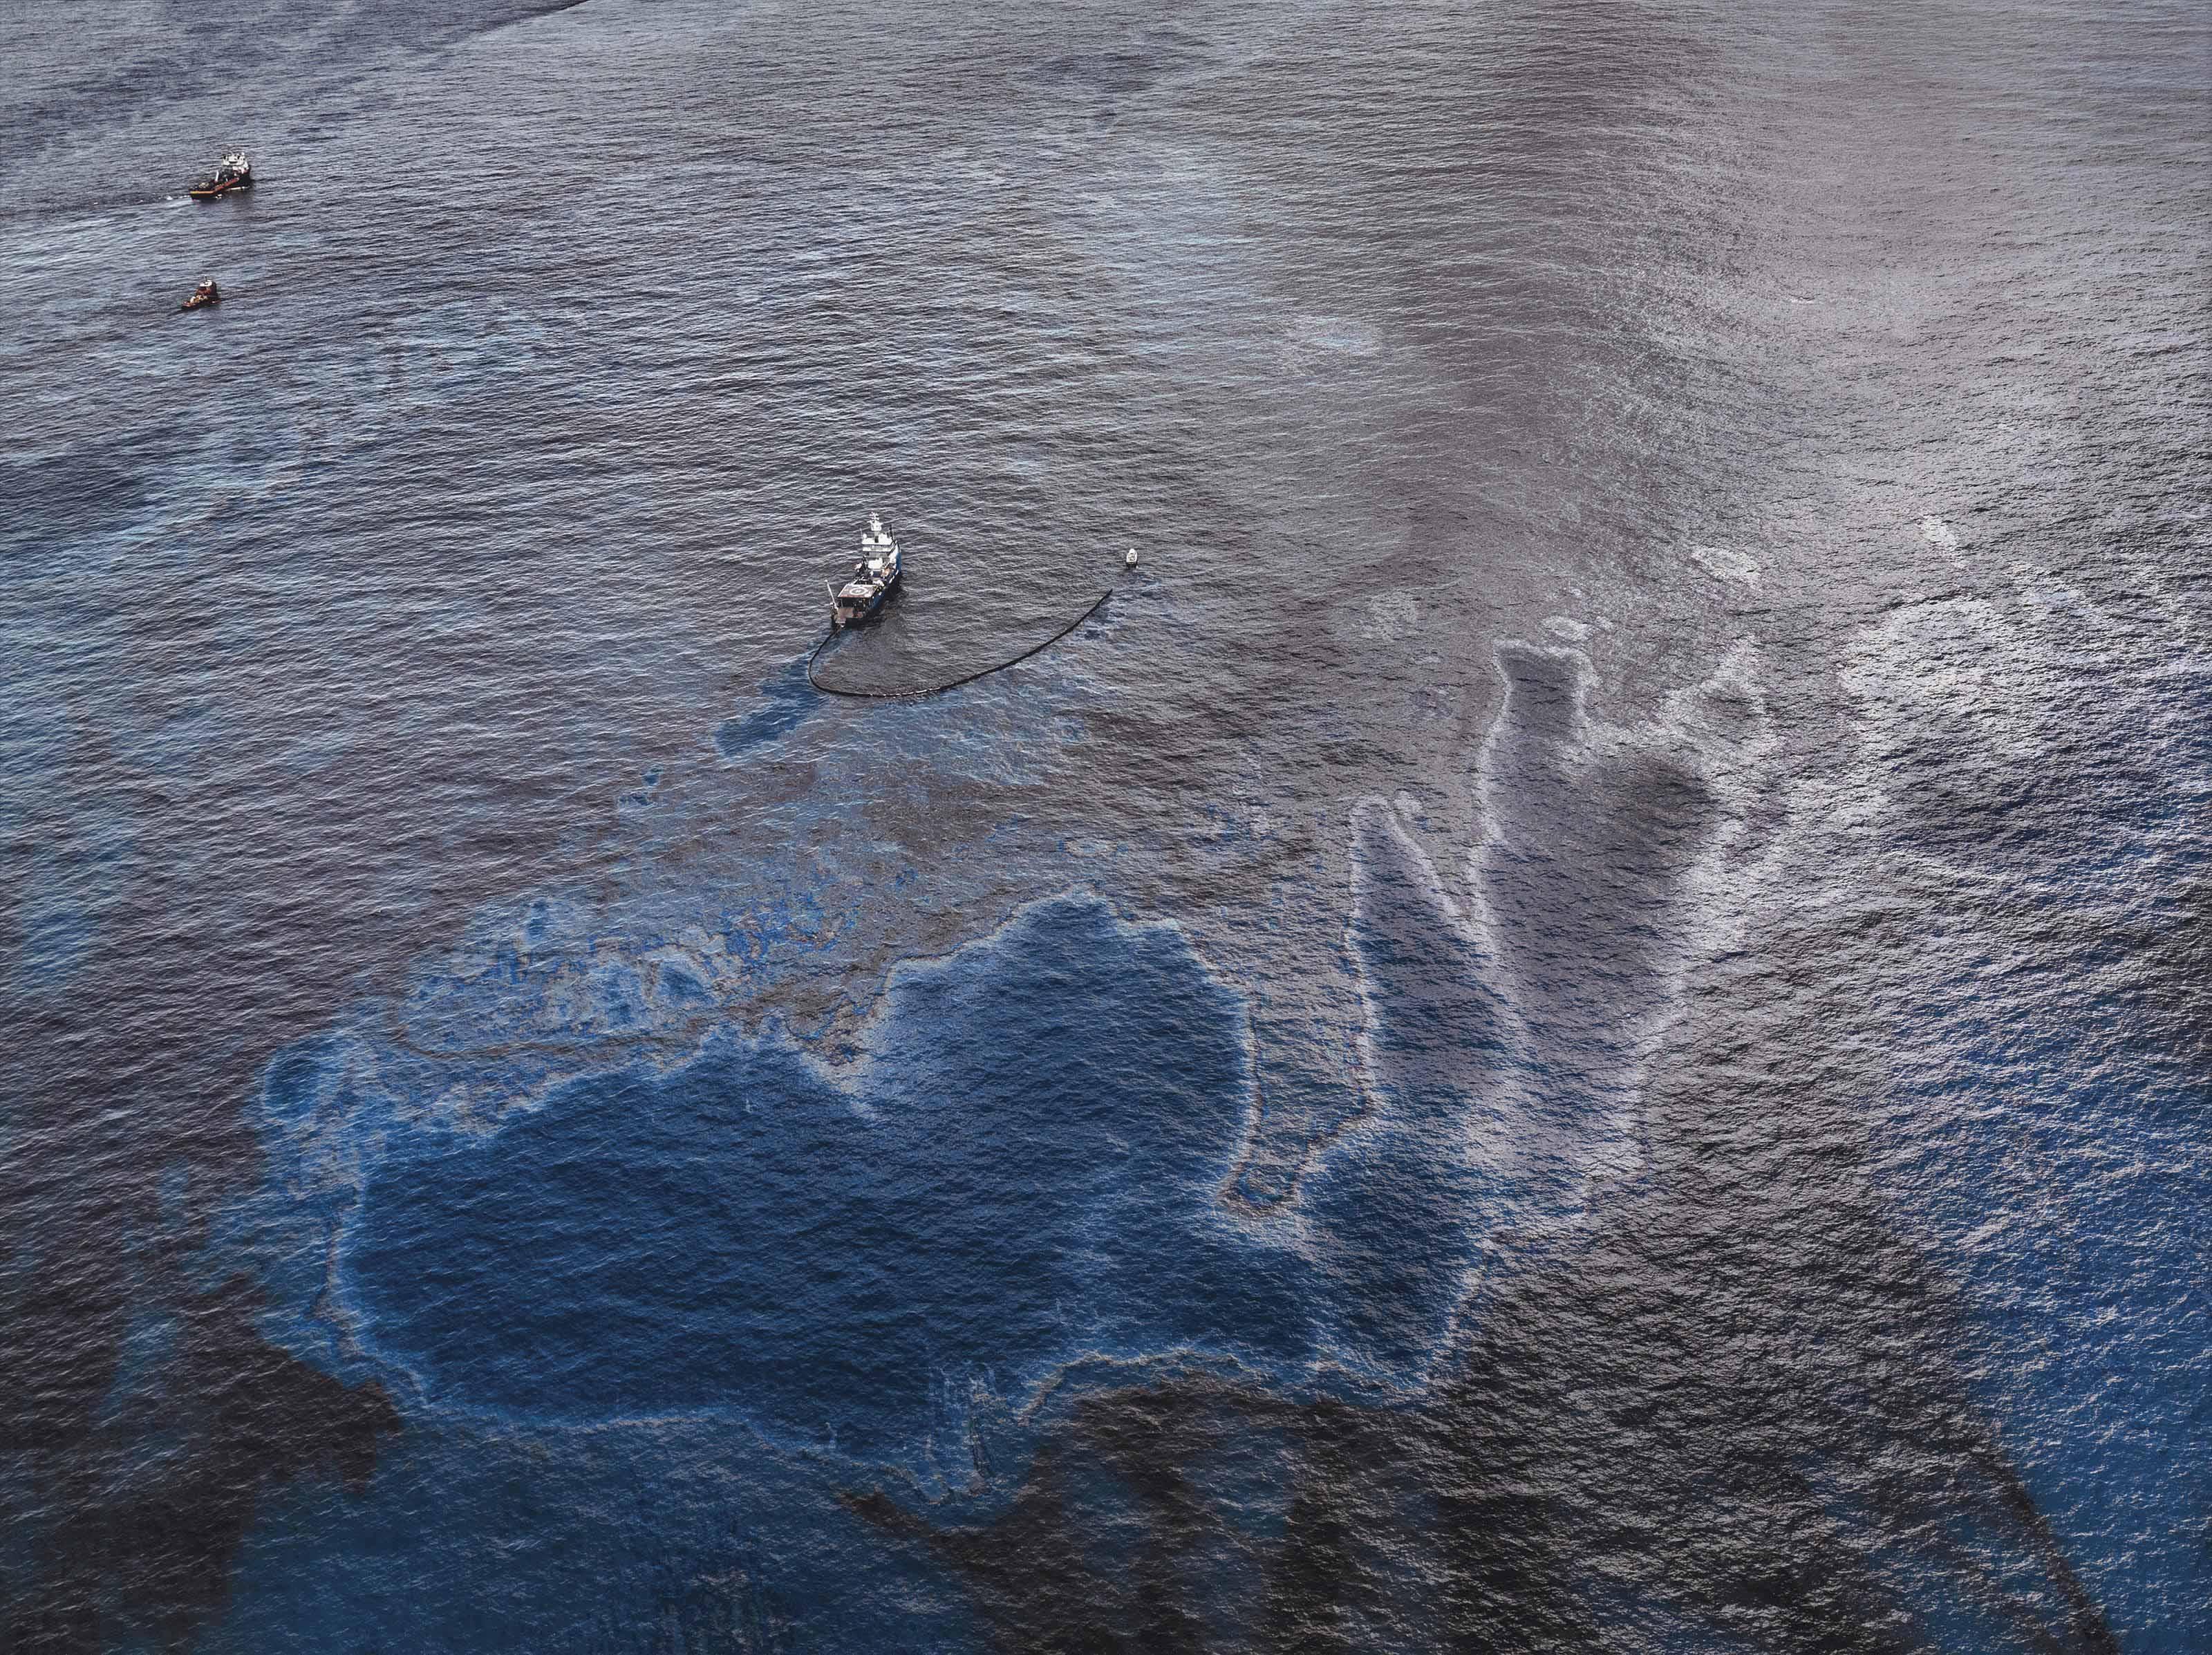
point(234, 172)
point(204, 294)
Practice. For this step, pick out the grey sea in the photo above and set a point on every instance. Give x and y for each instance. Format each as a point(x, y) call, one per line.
point(1577, 1018)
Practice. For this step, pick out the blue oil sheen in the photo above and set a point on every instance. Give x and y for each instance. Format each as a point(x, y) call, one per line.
point(784, 702)
point(1024, 1170)
point(2089, 1292)
point(406, 679)
point(1404, 1205)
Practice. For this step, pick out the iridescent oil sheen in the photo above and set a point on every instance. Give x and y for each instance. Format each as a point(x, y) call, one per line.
point(1577, 1020)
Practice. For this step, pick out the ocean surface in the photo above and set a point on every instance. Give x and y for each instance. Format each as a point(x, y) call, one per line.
point(1579, 1019)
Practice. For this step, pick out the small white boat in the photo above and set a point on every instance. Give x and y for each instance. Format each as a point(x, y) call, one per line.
point(874, 577)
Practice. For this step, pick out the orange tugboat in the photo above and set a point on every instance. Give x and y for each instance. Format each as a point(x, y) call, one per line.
point(235, 171)
point(204, 294)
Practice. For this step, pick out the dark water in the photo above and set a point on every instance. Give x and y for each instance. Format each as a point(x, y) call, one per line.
point(1581, 1020)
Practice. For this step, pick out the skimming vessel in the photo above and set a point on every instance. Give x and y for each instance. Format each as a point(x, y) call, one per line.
point(874, 577)
point(234, 172)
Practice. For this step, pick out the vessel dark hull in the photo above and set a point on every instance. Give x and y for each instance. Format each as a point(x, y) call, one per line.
point(874, 608)
point(210, 192)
